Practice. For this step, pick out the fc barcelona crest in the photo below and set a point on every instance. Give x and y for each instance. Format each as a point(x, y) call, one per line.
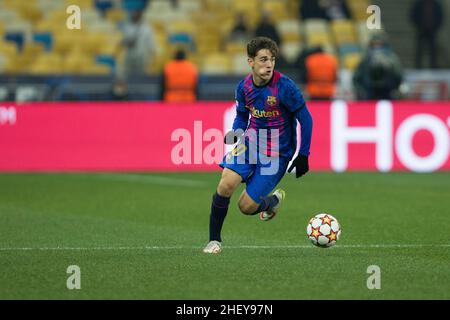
point(271, 100)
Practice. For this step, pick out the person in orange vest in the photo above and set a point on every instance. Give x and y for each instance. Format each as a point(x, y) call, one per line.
point(321, 75)
point(180, 79)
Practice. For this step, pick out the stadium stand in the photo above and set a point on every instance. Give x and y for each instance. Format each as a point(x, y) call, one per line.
point(35, 41)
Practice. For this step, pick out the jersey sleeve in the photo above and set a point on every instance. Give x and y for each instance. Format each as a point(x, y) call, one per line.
point(242, 113)
point(291, 95)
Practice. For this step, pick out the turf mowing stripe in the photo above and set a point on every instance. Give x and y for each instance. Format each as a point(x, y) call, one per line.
point(150, 179)
point(400, 246)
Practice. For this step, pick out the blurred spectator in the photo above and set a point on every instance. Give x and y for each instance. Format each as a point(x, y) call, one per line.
point(119, 91)
point(240, 30)
point(180, 79)
point(321, 74)
point(426, 15)
point(337, 10)
point(379, 74)
point(312, 9)
point(266, 28)
point(139, 44)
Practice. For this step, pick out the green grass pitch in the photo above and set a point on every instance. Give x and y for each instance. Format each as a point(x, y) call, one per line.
point(139, 236)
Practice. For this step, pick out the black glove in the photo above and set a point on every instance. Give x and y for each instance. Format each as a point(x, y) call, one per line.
point(231, 137)
point(300, 164)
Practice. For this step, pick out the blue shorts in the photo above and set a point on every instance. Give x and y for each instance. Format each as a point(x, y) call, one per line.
point(261, 175)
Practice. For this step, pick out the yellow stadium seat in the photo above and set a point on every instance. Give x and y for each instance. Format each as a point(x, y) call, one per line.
point(13, 65)
point(76, 62)
point(83, 4)
point(290, 30)
point(8, 48)
point(30, 52)
point(206, 43)
point(186, 26)
point(358, 9)
point(351, 60)
point(315, 39)
point(115, 15)
point(235, 47)
point(315, 25)
point(47, 63)
point(216, 63)
point(29, 11)
point(160, 6)
point(189, 6)
point(277, 9)
point(239, 64)
point(291, 50)
point(343, 31)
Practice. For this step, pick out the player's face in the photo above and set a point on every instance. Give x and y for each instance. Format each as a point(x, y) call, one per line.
point(262, 66)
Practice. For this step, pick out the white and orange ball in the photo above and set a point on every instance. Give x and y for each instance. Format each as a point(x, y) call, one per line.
point(323, 230)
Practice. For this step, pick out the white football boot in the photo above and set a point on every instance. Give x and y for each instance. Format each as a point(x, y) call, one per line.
point(267, 215)
point(213, 247)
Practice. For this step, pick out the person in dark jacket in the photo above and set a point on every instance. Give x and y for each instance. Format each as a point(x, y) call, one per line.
point(426, 15)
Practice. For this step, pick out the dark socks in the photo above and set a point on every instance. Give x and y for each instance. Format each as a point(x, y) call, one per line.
point(219, 209)
point(267, 204)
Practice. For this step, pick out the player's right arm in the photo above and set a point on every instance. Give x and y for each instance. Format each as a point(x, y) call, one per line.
point(241, 121)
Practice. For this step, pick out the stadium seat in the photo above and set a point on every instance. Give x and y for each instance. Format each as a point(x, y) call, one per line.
point(8, 16)
point(31, 50)
point(358, 9)
point(160, 6)
point(316, 38)
point(189, 6)
point(277, 9)
point(290, 30)
point(216, 63)
point(291, 50)
point(239, 64)
point(47, 63)
point(208, 43)
point(3, 62)
point(8, 49)
point(29, 11)
point(235, 47)
point(83, 4)
point(343, 32)
point(75, 62)
point(351, 60)
point(115, 15)
point(315, 26)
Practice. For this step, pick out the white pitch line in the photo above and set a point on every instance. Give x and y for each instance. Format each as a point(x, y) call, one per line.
point(394, 246)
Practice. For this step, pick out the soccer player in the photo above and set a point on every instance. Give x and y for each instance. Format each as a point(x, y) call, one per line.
point(274, 103)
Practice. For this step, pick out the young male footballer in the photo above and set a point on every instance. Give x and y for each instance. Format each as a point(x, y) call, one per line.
point(266, 143)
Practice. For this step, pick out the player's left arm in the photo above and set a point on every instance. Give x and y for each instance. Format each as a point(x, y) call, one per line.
point(301, 161)
point(296, 104)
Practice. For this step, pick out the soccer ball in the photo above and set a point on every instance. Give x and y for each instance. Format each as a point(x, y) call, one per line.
point(323, 230)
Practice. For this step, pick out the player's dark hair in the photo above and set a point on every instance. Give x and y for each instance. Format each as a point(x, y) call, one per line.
point(259, 43)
